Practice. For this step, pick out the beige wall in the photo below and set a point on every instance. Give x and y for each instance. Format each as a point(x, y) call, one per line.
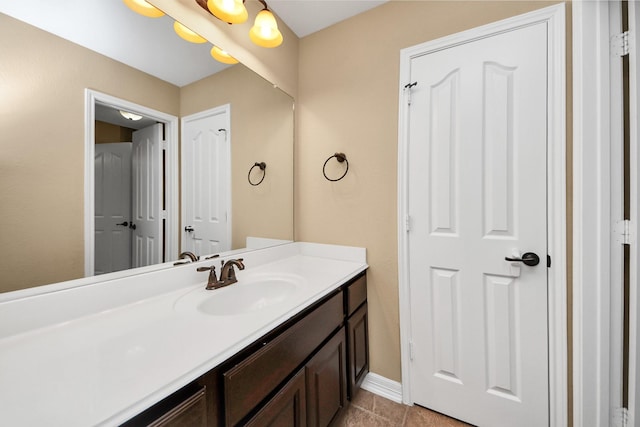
point(42, 83)
point(348, 101)
point(261, 131)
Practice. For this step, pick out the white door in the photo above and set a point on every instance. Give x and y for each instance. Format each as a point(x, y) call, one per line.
point(112, 207)
point(477, 195)
point(206, 182)
point(148, 188)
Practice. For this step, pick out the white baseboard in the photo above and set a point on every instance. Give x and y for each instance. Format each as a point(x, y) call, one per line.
point(382, 386)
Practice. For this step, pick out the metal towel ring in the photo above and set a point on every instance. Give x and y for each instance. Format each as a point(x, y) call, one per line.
point(341, 157)
point(263, 167)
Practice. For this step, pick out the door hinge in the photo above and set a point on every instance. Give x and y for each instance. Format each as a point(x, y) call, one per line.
point(623, 232)
point(163, 215)
point(407, 89)
point(620, 44)
point(548, 261)
point(410, 350)
point(163, 145)
point(620, 417)
point(407, 223)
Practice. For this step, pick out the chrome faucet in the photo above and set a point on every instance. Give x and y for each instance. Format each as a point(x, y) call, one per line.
point(227, 274)
point(184, 255)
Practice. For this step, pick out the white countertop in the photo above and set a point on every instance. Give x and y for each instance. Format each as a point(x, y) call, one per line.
point(104, 367)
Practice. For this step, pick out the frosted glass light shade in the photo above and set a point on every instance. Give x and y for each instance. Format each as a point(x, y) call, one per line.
point(187, 34)
point(231, 11)
point(265, 31)
point(222, 56)
point(144, 8)
point(130, 116)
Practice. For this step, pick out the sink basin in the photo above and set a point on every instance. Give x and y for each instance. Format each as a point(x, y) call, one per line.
point(246, 296)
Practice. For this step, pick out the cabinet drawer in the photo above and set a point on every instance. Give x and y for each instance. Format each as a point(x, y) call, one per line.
point(287, 408)
point(356, 294)
point(186, 407)
point(253, 379)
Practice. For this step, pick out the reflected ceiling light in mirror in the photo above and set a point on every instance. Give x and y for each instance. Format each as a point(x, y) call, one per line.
point(231, 11)
point(144, 8)
point(130, 116)
point(222, 56)
point(187, 34)
point(265, 31)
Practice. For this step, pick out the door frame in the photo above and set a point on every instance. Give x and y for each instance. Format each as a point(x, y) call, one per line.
point(554, 17)
point(597, 211)
point(226, 110)
point(171, 171)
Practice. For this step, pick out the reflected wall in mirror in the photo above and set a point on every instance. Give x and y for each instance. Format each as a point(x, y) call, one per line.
point(42, 83)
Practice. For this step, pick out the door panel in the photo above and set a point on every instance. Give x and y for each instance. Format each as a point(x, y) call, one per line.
point(477, 194)
point(206, 183)
point(148, 183)
point(112, 207)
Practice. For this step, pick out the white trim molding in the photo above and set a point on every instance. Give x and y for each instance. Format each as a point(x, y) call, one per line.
point(554, 17)
point(383, 386)
point(171, 173)
point(597, 330)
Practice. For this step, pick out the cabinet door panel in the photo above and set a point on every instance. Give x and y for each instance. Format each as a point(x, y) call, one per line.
point(357, 326)
point(286, 409)
point(326, 382)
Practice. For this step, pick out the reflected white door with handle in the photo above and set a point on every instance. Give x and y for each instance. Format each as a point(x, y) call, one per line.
point(206, 182)
point(477, 198)
point(112, 207)
point(148, 190)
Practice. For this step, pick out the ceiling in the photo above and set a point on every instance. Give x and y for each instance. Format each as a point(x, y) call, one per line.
point(150, 45)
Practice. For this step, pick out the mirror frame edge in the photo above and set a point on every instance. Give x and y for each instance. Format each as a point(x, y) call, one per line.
point(171, 173)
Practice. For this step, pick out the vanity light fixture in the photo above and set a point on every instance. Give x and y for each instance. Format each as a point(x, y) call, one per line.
point(144, 8)
point(231, 11)
point(187, 34)
point(222, 56)
point(265, 31)
point(130, 116)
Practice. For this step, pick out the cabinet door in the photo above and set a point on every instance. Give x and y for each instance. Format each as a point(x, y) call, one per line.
point(326, 382)
point(286, 409)
point(358, 327)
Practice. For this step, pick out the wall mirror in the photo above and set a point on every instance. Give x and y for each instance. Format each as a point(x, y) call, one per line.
point(43, 82)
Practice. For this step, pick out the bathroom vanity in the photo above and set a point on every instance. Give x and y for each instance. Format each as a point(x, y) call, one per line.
point(286, 345)
point(301, 373)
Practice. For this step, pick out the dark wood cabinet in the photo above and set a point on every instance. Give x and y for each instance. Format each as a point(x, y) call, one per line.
point(257, 375)
point(358, 332)
point(286, 409)
point(301, 373)
point(186, 407)
point(326, 382)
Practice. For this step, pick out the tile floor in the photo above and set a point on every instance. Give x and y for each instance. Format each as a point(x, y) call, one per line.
point(370, 410)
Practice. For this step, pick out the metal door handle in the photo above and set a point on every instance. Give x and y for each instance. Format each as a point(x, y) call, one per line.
point(124, 224)
point(189, 229)
point(528, 258)
point(132, 226)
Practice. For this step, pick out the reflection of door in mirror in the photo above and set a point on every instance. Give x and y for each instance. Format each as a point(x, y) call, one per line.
point(206, 181)
point(147, 197)
point(129, 192)
point(112, 216)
